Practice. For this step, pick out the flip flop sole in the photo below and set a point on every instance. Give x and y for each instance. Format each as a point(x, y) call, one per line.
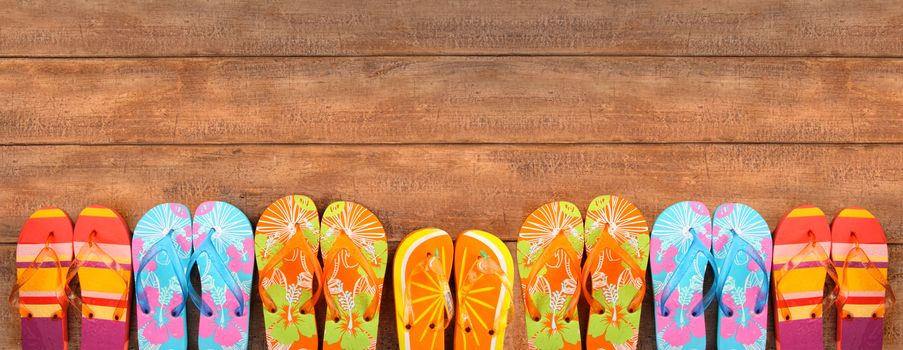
point(615, 284)
point(488, 301)
point(290, 221)
point(803, 286)
point(860, 321)
point(745, 328)
point(104, 291)
point(168, 223)
point(670, 240)
point(557, 284)
point(44, 323)
point(233, 240)
point(368, 234)
point(427, 298)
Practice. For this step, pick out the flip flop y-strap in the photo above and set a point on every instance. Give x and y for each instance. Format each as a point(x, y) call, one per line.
point(207, 248)
point(740, 245)
point(344, 243)
point(484, 268)
point(558, 244)
point(89, 249)
point(293, 246)
point(162, 246)
point(814, 249)
point(873, 271)
point(688, 261)
point(432, 268)
point(31, 270)
point(595, 254)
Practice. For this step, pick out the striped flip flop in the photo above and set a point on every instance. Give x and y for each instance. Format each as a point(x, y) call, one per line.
point(354, 249)
point(802, 241)
point(424, 305)
point(680, 253)
point(224, 254)
point(103, 263)
point(484, 275)
point(859, 252)
point(614, 274)
point(742, 245)
point(161, 248)
point(287, 242)
point(43, 256)
point(549, 249)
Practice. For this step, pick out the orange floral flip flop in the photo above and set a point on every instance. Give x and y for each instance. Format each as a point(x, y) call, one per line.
point(484, 275)
point(617, 247)
point(43, 256)
point(286, 244)
point(354, 249)
point(103, 263)
point(424, 305)
point(549, 249)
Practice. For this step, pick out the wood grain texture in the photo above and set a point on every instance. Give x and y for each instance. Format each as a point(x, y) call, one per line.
point(450, 100)
point(515, 338)
point(454, 187)
point(346, 27)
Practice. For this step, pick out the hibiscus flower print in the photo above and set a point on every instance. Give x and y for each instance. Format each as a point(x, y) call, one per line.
point(163, 326)
point(224, 332)
point(664, 259)
point(741, 326)
point(679, 327)
point(555, 332)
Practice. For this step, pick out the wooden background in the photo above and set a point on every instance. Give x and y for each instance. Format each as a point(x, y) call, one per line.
point(458, 114)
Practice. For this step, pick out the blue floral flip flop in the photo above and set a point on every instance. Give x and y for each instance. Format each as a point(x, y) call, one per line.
point(743, 250)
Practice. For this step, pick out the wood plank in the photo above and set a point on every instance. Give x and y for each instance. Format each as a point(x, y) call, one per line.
point(515, 338)
point(450, 100)
point(345, 27)
point(454, 187)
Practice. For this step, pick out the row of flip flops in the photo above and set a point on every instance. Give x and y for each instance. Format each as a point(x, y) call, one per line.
point(686, 240)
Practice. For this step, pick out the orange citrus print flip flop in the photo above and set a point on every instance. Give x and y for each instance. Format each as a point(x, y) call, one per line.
point(103, 263)
point(287, 243)
point(354, 249)
point(801, 261)
point(424, 305)
point(43, 256)
point(484, 276)
point(614, 274)
point(549, 249)
point(859, 251)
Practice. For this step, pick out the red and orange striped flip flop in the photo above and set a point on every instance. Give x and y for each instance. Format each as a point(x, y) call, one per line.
point(802, 241)
point(103, 263)
point(424, 305)
point(859, 251)
point(43, 255)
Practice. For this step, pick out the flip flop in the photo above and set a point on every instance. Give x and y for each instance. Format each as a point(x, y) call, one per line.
point(43, 256)
point(742, 247)
point(287, 242)
point(614, 274)
point(680, 248)
point(484, 275)
point(424, 304)
point(859, 251)
point(802, 241)
point(161, 248)
point(354, 249)
point(103, 263)
point(549, 249)
point(224, 254)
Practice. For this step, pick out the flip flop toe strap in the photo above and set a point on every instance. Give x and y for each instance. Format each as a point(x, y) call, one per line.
point(739, 245)
point(162, 246)
point(558, 245)
point(299, 246)
point(431, 267)
point(91, 249)
point(696, 248)
point(607, 241)
point(343, 243)
point(812, 248)
point(484, 268)
point(873, 271)
point(222, 269)
point(61, 292)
